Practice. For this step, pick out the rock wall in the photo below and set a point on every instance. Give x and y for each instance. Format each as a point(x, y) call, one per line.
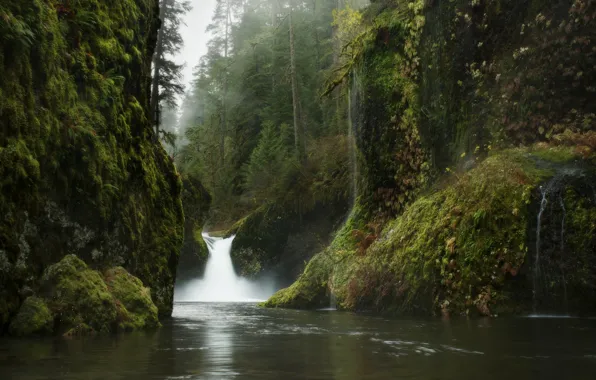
point(80, 172)
point(193, 257)
point(439, 227)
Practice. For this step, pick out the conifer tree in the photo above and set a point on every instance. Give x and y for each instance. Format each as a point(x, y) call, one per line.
point(167, 74)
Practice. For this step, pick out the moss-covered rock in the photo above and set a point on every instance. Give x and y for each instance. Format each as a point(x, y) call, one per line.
point(467, 247)
point(34, 317)
point(77, 294)
point(273, 239)
point(310, 289)
point(82, 329)
point(77, 300)
point(135, 307)
point(439, 86)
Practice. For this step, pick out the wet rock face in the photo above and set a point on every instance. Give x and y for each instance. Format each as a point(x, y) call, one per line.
point(563, 269)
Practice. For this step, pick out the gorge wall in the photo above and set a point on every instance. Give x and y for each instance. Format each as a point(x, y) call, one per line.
point(80, 170)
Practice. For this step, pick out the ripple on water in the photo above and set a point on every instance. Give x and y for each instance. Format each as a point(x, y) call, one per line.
point(457, 349)
point(422, 347)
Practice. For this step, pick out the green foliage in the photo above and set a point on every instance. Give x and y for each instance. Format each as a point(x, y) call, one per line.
point(269, 164)
point(167, 74)
point(15, 31)
point(240, 107)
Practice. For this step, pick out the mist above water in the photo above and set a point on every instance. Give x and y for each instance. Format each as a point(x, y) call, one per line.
point(220, 282)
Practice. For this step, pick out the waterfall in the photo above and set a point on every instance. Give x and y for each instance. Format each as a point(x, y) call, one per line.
point(220, 282)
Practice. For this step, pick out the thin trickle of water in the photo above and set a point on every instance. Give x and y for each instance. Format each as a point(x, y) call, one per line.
point(543, 204)
point(551, 259)
point(562, 204)
point(332, 302)
point(220, 282)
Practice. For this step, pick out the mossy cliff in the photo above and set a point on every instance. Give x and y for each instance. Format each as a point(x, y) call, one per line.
point(446, 219)
point(80, 172)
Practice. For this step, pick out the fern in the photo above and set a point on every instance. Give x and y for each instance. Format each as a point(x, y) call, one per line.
point(16, 31)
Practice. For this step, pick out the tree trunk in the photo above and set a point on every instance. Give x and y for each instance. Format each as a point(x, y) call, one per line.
point(225, 90)
point(154, 106)
point(298, 137)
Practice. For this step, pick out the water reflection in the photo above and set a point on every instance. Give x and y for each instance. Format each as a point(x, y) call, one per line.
point(242, 341)
point(219, 358)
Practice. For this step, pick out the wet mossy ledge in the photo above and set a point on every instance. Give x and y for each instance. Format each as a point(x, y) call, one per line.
point(467, 247)
point(76, 300)
point(81, 171)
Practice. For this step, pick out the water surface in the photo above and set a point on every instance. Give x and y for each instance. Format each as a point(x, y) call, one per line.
point(242, 341)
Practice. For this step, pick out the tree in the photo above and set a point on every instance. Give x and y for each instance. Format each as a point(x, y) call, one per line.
point(261, 79)
point(167, 75)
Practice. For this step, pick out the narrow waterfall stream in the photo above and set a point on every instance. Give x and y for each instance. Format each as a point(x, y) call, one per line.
point(555, 255)
point(220, 282)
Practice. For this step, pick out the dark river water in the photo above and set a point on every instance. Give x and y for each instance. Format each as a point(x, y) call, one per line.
point(243, 341)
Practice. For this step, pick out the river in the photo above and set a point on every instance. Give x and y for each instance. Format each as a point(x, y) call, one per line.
point(243, 341)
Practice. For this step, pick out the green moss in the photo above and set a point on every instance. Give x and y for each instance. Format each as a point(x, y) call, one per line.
point(458, 249)
point(194, 253)
point(34, 317)
point(82, 301)
point(555, 154)
point(81, 329)
point(452, 244)
point(77, 294)
point(309, 291)
point(139, 311)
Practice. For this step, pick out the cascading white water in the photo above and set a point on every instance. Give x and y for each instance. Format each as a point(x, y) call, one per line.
point(220, 282)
